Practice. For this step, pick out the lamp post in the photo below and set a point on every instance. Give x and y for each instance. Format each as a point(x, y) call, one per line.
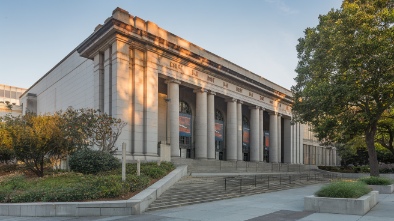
point(167, 100)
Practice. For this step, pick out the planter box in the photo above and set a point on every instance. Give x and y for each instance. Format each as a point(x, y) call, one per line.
point(350, 206)
point(383, 189)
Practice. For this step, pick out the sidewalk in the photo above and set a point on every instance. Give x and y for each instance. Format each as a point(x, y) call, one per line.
point(283, 205)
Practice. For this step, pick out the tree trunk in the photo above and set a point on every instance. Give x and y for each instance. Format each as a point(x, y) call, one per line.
point(373, 157)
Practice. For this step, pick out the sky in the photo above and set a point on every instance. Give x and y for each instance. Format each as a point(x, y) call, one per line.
point(258, 35)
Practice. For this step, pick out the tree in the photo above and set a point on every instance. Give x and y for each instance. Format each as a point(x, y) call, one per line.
point(345, 78)
point(88, 127)
point(6, 151)
point(35, 138)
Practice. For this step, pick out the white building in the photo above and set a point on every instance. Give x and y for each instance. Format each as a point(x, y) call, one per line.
point(171, 91)
point(9, 100)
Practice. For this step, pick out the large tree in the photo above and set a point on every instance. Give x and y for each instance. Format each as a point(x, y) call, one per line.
point(345, 78)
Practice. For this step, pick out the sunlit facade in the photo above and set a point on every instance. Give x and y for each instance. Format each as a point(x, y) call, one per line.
point(173, 95)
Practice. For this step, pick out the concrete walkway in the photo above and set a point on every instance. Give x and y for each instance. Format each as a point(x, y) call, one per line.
point(283, 205)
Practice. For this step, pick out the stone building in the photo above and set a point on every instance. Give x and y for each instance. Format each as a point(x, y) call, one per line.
point(173, 94)
point(9, 100)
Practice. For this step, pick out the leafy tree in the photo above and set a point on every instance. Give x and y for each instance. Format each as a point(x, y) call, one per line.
point(345, 78)
point(88, 127)
point(385, 133)
point(35, 139)
point(6, 151)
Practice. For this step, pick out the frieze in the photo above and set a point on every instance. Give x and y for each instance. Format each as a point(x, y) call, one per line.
point(198, 78)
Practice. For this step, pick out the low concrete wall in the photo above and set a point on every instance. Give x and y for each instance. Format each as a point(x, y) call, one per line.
point(383, 189)
point(359, 175)
point(136, 205)
point(359, 206)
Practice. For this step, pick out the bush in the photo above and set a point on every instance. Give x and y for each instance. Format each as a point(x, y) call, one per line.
point(343, 189)
point(375, 180)
point(89, 161)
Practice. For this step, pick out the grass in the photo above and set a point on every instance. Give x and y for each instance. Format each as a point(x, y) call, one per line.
point(343, 189)
point(375, 180)
point(70, 186)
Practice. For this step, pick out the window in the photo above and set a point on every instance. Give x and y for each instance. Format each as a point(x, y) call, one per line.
point(219, 115)
point(184, 108)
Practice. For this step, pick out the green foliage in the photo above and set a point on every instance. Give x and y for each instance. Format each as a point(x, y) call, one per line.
point(37, 140)
point(66, 187)
point(89, 161)
point(345, 73)
point(343, 189)
point(89, 127)
point(375, 180)
point(6, 150)
point(355, 152)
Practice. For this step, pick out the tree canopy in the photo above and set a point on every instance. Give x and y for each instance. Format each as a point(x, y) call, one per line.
point(345, 78)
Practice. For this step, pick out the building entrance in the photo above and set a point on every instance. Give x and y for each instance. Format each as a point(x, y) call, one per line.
point(185, 130)
point(219, 135)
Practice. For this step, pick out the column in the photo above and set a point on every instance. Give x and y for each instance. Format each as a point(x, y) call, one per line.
point(231, 135)
point(287, 140)
point(273, 148)
point(279, 138)
point(240, 156)
point(261, 135)
point(301, 144)
point(254, 133)
point(201, 124)
point(173, 112)
point(211, 125)
point(334, 156)
point(119, 97)
point(99, 82)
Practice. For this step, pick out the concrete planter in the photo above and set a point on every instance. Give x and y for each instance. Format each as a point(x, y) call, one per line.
point(359, 206)
point(383, 189)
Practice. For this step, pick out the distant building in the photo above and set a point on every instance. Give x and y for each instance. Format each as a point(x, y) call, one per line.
point(9, 100)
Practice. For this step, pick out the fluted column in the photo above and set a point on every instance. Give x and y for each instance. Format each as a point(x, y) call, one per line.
point(334, 156)
point(240, 155)
point(287, 140)
point(261, 134)
point(173, 110)
point(254, 133)
point(273, 148)
point(231, 136)
point(279, 138)
point(211, 125)
point(201, 124)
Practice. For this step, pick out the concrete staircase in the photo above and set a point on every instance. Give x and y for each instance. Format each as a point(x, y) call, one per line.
point(215, 180)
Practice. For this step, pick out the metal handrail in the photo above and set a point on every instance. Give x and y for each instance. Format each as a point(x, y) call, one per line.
point(267, 181)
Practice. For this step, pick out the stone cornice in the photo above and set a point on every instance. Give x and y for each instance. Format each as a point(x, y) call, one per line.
point(115, 26)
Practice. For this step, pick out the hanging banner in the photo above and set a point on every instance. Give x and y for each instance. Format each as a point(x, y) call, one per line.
point(266, 140)
point(185, 123)
point(245, 136)
point(219, 130)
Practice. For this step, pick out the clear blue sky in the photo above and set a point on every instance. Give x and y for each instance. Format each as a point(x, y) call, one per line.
point(259, 35)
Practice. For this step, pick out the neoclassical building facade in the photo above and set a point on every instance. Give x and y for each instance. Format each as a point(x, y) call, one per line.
point(173, 93)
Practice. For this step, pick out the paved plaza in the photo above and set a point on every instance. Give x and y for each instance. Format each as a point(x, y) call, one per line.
point(283, 205)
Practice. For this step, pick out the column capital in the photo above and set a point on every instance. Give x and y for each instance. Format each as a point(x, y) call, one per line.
point(230, 99)
point(254, 107)
point(200, 90)
point(240, 102)
point(211, 92)
point(171, 80)
point(273, 113)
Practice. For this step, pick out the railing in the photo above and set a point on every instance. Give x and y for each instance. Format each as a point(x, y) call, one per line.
point(268, 182)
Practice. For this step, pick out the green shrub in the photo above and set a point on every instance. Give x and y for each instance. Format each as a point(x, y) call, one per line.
point(375, 180)
point(343, 189)
point(89, 161)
